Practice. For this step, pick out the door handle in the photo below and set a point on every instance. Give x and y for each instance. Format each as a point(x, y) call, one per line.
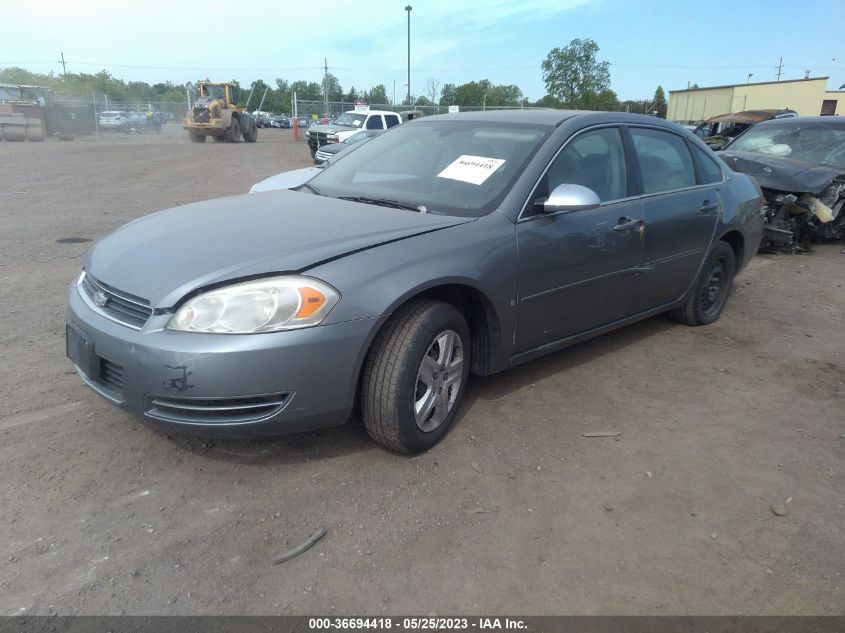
point(626, 224)
point(707, 206)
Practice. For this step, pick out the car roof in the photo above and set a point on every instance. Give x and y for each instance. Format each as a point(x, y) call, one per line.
point(371, 112)
point(748, 116)
point(549, 116)
point(798, 120)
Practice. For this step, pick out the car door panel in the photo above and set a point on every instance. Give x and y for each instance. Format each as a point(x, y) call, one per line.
point(577, 271)
point(680, 216)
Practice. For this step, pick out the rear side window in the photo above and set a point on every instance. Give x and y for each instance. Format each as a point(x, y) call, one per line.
point(665, 162)
point(391, 120)
point(709, 171)
point(375, 123)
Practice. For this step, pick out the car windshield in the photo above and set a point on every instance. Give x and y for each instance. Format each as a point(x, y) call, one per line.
point(216, 92)
point(817, 142)
point(461, 168)
point(351, 119)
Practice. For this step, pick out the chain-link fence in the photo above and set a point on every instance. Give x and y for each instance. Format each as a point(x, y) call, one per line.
point(318, 110)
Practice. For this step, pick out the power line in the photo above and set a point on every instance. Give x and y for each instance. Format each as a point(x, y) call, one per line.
point(420, 70)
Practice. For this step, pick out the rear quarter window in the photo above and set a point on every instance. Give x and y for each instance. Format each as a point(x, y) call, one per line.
point(709, 171)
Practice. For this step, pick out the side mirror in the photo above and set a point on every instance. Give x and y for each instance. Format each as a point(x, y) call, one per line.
point(568, 197)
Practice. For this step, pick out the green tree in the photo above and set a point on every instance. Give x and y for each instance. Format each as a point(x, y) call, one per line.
point(448, 95)
point(307, 90)
point(423, 101)
point(659, 102)
point(332, 88)
point(549, 102)
point(378, 95)
point(574, 75)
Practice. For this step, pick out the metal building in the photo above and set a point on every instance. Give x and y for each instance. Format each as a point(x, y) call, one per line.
point(808, 97)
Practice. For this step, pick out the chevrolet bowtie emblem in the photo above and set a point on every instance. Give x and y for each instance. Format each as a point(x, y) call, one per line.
point(100, 299)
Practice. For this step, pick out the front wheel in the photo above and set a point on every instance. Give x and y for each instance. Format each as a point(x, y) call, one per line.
point(711, 290)
point(415, 376)
point(233, 132)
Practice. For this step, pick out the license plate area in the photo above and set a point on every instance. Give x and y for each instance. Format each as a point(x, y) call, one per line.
point(80, 350)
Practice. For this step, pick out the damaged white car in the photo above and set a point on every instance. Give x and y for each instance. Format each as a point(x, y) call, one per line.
point(800, 165)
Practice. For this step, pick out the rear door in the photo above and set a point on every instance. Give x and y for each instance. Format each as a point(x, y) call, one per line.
point(681, 207)
point(579, 270)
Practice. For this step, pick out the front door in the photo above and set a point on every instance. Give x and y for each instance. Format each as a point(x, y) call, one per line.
point(579, 270)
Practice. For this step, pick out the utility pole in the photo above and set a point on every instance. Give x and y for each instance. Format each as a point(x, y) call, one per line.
point(779, 67)
point(64, 67)
point(408, 9)
point(325, 87)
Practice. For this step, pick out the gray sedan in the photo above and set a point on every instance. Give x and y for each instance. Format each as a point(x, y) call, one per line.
point(455, 244)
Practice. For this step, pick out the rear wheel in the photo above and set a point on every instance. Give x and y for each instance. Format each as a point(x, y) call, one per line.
point(197, 138)
point(711, 290)
point(233, 132)
point(415, 375)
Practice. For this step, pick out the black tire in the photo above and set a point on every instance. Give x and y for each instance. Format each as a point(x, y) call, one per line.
point(391, 384)
point(711, 290)
point(197, 138)
point(233, 132)
point(251, 134)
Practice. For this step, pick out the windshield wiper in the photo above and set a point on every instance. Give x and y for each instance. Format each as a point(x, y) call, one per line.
point(383, 202)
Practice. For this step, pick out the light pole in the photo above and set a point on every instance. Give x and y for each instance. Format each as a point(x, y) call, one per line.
point(408, 9)
point(750, 75)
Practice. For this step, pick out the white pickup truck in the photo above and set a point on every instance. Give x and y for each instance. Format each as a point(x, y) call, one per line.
point(347, 124)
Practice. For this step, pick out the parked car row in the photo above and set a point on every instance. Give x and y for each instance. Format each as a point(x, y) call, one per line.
point(122, 121)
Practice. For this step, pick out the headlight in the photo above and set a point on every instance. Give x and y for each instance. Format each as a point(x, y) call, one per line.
point(264, 305)
point(331, 137)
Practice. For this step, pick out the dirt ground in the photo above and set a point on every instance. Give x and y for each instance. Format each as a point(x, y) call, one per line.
point(514, 512)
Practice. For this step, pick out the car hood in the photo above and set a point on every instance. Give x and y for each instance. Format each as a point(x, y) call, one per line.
point(332, 128)
point(781, 174)
point(164, 256)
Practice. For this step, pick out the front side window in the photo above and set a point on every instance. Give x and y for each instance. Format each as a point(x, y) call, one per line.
point(665, 162)
point(595, 160)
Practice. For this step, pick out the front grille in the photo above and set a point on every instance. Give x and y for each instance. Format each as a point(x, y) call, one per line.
point(201, 114)
point(216, 410)
point(322, 155)
point(323, 138)
point(120, 306)
point(111, 375)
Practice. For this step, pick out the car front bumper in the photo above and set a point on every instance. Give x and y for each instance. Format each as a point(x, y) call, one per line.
point(219, 384)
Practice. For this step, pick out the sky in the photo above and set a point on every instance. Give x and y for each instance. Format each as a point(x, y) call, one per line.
point(708, 42)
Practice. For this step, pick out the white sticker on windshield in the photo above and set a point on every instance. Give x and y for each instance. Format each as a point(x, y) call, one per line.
point(472, 169)
point(356, 123)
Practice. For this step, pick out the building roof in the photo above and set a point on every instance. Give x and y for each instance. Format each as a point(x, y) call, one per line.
point(759, 83)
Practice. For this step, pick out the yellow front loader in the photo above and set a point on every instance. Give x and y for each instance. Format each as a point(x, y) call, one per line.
point(216, 114)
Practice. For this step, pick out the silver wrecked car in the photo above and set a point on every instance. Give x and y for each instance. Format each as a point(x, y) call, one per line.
point(455, 244)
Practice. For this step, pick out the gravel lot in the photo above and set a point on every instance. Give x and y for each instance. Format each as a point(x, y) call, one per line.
point(514, 512)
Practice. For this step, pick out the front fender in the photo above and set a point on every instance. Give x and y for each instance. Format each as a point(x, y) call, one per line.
point(480, 255)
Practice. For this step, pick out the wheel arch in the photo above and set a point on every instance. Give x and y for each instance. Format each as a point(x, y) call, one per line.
point(736, 241)
point(479, 310)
